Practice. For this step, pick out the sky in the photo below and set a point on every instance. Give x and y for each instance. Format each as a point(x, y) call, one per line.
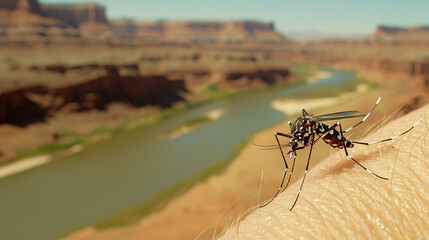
point(342, 17)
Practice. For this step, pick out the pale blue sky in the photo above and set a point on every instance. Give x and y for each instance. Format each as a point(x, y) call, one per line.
point(328, 16)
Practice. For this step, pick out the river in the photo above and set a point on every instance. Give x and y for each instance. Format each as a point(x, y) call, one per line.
point(131, 167)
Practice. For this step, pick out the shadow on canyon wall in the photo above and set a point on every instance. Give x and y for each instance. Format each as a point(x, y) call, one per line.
point(117, 83)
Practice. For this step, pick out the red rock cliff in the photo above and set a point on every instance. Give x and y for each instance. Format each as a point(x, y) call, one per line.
point(388, 30)
point(76, 14)
point(24, 21)
point(77, 23)
point(209, 31)
point(402, 36)
point(26, 5)
point(31, 104)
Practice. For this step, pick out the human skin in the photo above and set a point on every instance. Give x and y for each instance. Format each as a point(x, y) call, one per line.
point(341, 200)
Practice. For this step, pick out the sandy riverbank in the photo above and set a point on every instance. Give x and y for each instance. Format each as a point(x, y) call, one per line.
point(210, 117)
point(293, 107)
point(23, 165)
point(33, 162)
point(319, 76)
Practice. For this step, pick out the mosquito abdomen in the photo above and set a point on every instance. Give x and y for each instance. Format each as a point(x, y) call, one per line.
point(333, 137)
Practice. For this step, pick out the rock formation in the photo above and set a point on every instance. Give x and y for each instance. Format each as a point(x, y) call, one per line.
point(386, 36)
point(94, 86)
point(201, 31)
point(30, 6)
point(76, 14)
point(373, 64)
point(87, 21)
point(391, 30)
point(24, 20)
point(30, 104)
point(18, 109)
point(242, 80)
point(89, 18)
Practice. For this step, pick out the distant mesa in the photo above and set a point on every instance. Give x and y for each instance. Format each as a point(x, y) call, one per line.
point(29, 21)
point(391, 30)
point(315, 36)
point(31, 6)
point(24, 20)
point(76, 14)
point(401, 36)
point(204, 31)
point(89, 18)
point(393, 36)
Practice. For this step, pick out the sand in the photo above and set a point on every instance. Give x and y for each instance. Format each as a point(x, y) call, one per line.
point(293, 107)
point(318, 76)
point(24, 165)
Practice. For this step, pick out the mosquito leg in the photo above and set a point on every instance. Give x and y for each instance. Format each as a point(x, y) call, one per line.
point(276, 134)
point(387, 139)
point(348, 155)
point(306, 170)
point(363, 119)
point(291, 169)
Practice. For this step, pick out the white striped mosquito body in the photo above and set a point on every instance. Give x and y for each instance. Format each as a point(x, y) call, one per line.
point(308, 129)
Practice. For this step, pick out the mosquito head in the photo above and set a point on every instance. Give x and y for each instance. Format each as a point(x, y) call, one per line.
point(293, 143)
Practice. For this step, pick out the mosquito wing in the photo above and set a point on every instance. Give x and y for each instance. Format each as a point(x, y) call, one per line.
point(336, 116)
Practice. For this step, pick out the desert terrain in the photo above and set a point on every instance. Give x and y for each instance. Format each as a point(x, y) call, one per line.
point(71, 77)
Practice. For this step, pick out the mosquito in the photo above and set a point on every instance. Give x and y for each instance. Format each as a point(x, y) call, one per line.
point(307, 129)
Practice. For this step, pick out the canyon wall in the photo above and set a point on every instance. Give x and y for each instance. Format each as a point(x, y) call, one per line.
point(251, 79)
point(76, 14)
point(392, 30)
point(95, 86)
point(88, 18)
point(31, 6)
point(17, 108)
point(34, 103)
point(385, 36)
point(374, 63)
point(24, 21)
point(402, 36)
point(80, 23)
point(200, 31)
